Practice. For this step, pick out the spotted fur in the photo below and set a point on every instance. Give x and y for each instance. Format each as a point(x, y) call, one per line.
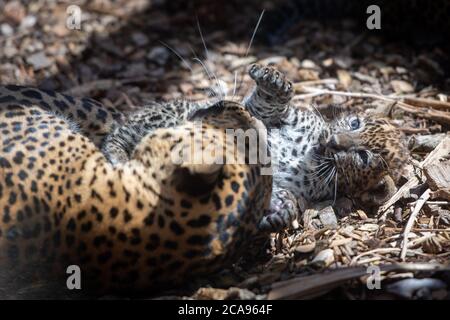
point(120, 143)
point(139, 224)
point(318, 160)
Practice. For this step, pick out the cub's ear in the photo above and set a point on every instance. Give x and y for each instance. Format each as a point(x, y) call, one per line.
point(382, 109)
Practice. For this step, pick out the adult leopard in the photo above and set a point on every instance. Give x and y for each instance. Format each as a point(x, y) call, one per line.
point(135, 225)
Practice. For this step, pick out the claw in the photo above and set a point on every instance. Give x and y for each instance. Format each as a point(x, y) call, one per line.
point(271, 81)
point(253, 68)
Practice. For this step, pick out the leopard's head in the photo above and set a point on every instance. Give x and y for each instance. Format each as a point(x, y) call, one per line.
point(360, 151)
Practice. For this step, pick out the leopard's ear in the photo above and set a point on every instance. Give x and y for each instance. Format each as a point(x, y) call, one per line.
point(382, 109)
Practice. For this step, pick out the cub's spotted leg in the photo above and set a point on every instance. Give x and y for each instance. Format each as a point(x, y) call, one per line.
point(283, 212)
point(119, 145)
point(269, 100)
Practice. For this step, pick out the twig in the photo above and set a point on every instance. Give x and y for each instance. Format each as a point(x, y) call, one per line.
point(315, 82)
point(442, 203)
point(411, 130)
point(431, 114)
point(427, 113)
point(377, 250)
point(442, 149)
point(420, 240)
point(425, 142)
point(422, 102)
point(311, 286)
point(423, 230)
point(319, 92)
point(423, 198)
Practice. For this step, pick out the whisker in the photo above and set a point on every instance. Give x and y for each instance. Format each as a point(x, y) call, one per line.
point(326, 178)
point(203, 39)
point(317, 179)
point(313, 105)
point(249, 46)
point(254, 32)
point(320, 178)
point(235, 83)
point(178, 55)
point(320, 165)
point(206, 71)
point(317, 169)
point(222, 94)
point(320, 175)
point(320, 172)
point(335, 188)
point(330, 176)
point(384, 161)
point(320, 157)
point(196, 58)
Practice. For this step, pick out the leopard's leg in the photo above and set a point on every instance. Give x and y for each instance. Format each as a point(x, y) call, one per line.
point(88, 116)
point(269, 100)
point(283, 212)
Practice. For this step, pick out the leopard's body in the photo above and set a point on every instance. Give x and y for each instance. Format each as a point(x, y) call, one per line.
point(137, 224)
point(352, 155)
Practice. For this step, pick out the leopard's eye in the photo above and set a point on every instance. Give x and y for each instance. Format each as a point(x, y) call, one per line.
point(364, 156)
point(354, 123)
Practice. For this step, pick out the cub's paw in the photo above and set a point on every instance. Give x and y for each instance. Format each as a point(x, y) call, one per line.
point(272, 82)
point(282, 214)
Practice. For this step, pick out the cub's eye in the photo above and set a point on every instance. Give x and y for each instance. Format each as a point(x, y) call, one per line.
point(354, 123)
point(364, 156)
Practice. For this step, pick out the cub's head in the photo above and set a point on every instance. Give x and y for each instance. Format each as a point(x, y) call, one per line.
point(362, 151)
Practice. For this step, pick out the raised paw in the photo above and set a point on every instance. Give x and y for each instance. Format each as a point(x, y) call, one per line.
point(272, 82)
point(282, 214)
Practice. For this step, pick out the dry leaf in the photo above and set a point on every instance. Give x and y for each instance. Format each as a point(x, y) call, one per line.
point(401, 86)
point(344, 78)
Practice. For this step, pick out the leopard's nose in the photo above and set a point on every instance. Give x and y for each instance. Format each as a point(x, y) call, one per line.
point(341, 141)
point(333, 143)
